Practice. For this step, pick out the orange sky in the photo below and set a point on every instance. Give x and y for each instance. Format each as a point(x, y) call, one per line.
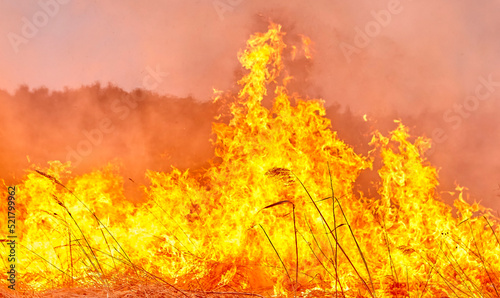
point(429, 49)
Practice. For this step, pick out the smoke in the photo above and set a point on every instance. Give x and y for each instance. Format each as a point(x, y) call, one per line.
point(93, 125)
point(424, 62)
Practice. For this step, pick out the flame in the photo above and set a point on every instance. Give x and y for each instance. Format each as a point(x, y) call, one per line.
point(275, 213)
point(306, 42)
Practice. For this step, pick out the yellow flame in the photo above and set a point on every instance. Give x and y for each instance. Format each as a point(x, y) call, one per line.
point(306, 42)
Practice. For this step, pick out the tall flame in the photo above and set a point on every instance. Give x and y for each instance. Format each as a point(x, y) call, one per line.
point(276, 212)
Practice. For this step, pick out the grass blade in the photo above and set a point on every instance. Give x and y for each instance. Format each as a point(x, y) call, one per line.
point(340, 247)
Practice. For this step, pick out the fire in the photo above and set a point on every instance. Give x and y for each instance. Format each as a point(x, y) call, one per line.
point(275, 213)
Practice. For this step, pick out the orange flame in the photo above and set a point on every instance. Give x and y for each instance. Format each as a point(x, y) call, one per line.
point(275, 213)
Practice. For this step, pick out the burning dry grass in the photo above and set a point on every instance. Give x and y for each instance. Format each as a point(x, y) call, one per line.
point(136, 281)
point(126, 290)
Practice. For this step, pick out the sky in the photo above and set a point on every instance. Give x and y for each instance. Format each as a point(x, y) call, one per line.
point(433, 64)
